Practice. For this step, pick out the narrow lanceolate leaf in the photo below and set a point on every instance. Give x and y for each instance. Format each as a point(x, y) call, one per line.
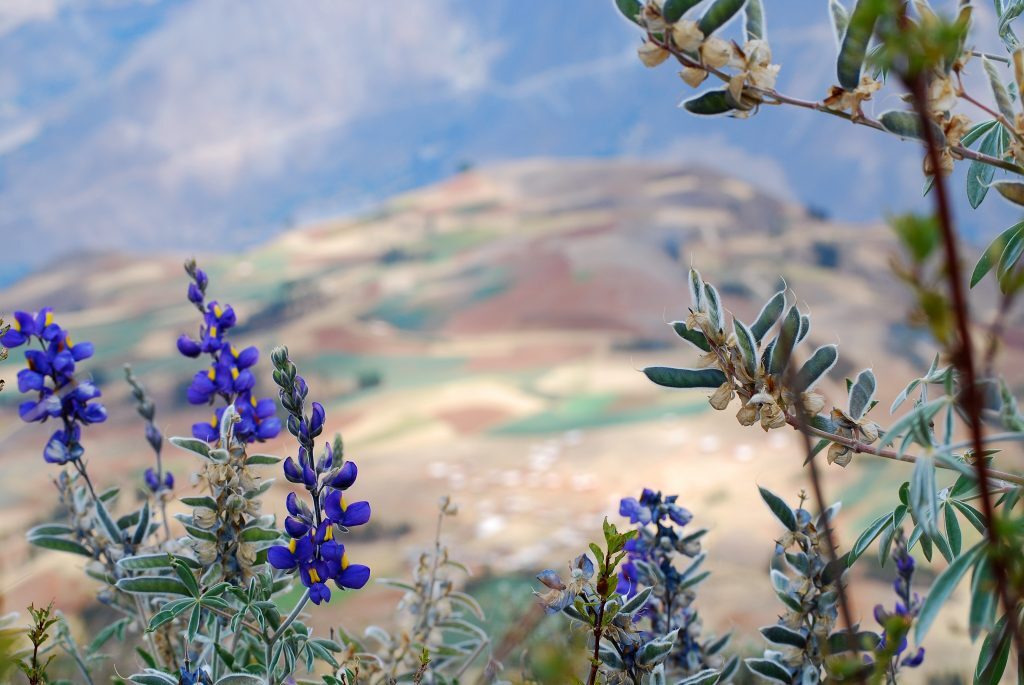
point(979, 174)
point(754, 23)
point(109, 525)
point(805, 328)
point(854, 47)
point(995, 653)
point(261, 460)
point(59, 544)
point(200, 501)
point(861, 393)
point(840, 20)
point(766, 668)
point(48, 529)
point(783, 349)
point(159, 585)
point(782, 635)
point(953, 533)
point(815, 368)
point(924, 501)
point(768, 315)
point(673, 10)
point(192, 445)
point(748, 348)
point(993, 252)
point(695, 338)
point(152, 677)
point(630, 9)
point(1011, 190)
point(239, 679)
point(867, 537)
point(984, 599)
point(942, 588)
point(715, 313)
point(778, 507)
point(142, 529)
point(709, 103)
point(696, 285)
point(147, 561)
point(999, 92)
point(1008, 260)
point(685, 378)
point(718, 14)
point(908, 125)
point(259, 535)
point(923, 412)
point(707, 677)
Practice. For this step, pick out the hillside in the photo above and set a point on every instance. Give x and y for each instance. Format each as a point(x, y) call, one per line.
point(480, 337)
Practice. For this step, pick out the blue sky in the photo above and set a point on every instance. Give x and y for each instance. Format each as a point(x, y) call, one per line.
point(203, 125)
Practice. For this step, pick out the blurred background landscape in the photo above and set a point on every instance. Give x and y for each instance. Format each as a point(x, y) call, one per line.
point(470, 223)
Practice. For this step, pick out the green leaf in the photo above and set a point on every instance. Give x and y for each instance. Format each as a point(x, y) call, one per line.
point(706, 677)
point(1002, 97)
point(984, 599)
point(696, 286)
point(109, 525)
point(973, 516)
point(868, 536)
point(815, 368)
point(993, 252)
point(1008, 260)
point(840, 20)
point(977, 131)
point(630, 9)
point(260, 535)
point(942, 588)
point(696, 338)
point(261, 460)
point(781, 635)
point(200, 501)
point(768, 315)
point(854, 46)
point(673, 10)
point(953, 533)
point(748, 348)
point(995, 652)
point(149, 585)
point(48, 529)
point(59, 544)
point(766, 668)
point(187, 578)
point(718, 14)
point(192, 445)
point(924, 501)
point(685, 378)
point(152, 677)
point(1011, 190)
point(861, 393)
point(753, 21)
point(785, 342)
point(142, 562)
point(142, 529)
point(980, 174)
point(908, 125)
point(923, 413)
point(709, 103)
point(239, 679)
point(715, 315)
point(779, 508)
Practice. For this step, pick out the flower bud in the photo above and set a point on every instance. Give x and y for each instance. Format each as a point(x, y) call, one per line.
point(652, 54)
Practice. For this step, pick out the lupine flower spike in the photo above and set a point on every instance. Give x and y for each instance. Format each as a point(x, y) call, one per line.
point(313, 551)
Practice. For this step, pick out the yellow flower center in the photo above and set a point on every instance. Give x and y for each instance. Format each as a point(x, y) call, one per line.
point(213, 331)
point(15, 325)
point(314, 576)
point(213, 421)
point(217, 311)
point(49, 318)
point(211, 373)
point(234, 374)
point(329, 534)
point(344, 561)
point(291, 545)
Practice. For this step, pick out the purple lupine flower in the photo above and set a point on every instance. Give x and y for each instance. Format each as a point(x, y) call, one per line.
point(50, 374)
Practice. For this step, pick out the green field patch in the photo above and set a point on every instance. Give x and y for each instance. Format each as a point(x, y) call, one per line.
point(393, 372)
point(594, 410)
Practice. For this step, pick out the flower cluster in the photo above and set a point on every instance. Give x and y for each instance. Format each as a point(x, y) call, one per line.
point(313, 550)
point(651, 562)
point(896, 623)
point(229, 376)
point(51, 374)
